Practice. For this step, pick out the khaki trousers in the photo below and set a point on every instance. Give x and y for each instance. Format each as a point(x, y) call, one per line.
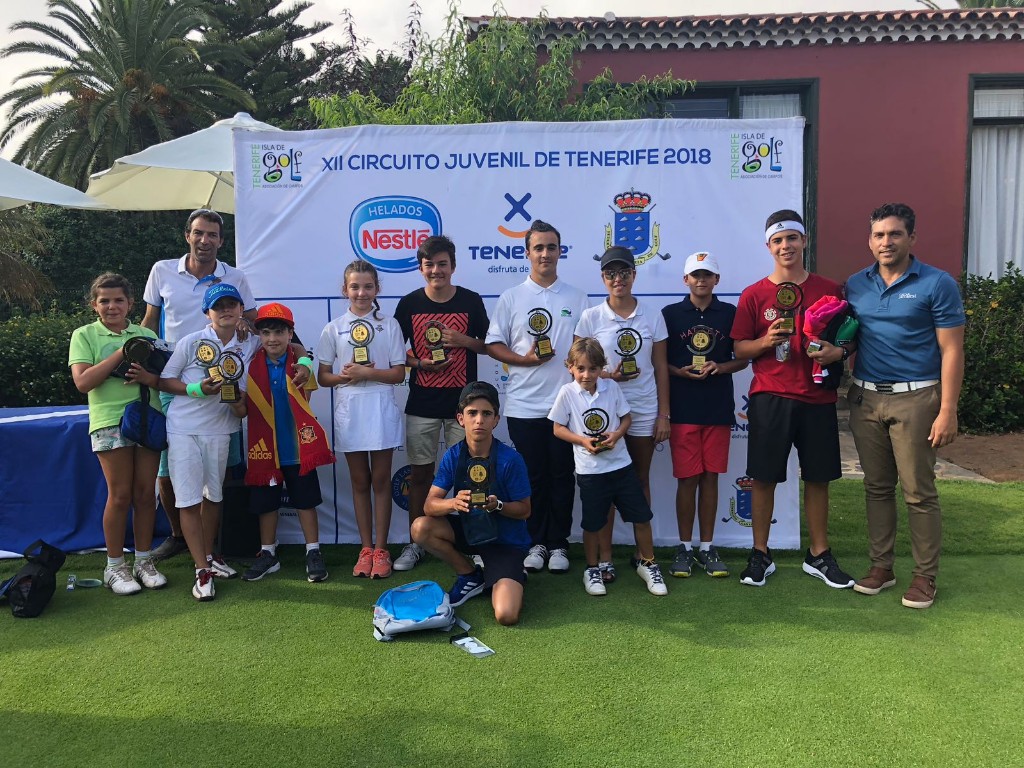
point(891, 433)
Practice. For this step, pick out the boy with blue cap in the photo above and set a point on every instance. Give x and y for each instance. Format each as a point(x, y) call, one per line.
point(199, 428)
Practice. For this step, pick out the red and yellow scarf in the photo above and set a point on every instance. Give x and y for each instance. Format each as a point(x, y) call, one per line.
point(314, 448)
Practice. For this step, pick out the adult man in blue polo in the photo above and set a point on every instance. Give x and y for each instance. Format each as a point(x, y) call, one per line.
point(903, 401)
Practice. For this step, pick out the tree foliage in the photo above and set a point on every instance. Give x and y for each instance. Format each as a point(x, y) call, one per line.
point(128, 73)
point(274, 69)
point(20, 282)
point(976, 4)
point(499, 74)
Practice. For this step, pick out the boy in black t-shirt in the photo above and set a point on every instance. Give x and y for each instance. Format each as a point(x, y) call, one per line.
point(700, 365)
point(445, 326)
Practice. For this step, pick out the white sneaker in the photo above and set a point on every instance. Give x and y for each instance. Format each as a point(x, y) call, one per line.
point(221, 569)
point(593, 582)
point(651, 574)
point(146, 572)
point(535, 559)
point(558, 561)
point(120, 581)
point(203, 590)
point(409, 557)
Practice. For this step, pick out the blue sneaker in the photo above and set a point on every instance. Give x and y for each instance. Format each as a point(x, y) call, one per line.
point(466, 587)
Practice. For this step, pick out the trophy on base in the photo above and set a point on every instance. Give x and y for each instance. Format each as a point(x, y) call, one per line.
point(360, 336)
point(478, 472)
point(539, 322)
point(627, 343)
point(434, 334)
point(230, 369)
point(702, 341)
point(595, 424)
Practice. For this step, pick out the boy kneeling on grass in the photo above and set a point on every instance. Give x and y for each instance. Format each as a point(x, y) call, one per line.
point(286, 443)
point(440, 531)
point(592, 414)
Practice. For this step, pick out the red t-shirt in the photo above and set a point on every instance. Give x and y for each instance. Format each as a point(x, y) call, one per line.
point(755, 312)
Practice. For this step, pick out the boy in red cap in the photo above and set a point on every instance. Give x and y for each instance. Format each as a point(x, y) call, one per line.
point(285, 444)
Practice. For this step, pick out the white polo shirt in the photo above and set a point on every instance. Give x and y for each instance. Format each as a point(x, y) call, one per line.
point(600, 322)
point(572, 402)
point(179, 294)
point(531, 389)
point(387, 347)
point(203, 415)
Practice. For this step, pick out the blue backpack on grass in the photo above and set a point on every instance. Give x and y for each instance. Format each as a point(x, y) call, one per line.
point(412, 607)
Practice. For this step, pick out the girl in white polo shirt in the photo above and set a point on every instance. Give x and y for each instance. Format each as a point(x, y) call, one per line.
point(368, 425)
point(623, 323)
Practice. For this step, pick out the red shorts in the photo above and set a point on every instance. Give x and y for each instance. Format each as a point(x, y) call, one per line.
point(698, 448)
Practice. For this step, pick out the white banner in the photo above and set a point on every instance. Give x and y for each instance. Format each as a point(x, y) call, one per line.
point(310, 202)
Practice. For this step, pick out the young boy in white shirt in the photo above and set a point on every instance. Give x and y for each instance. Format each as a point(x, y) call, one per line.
point(592, 414)
point(199, 429)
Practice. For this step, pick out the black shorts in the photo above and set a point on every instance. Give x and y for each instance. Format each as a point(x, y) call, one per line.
point(620, 487)
point(303, 492)
point(779, 423)
point(501, 561)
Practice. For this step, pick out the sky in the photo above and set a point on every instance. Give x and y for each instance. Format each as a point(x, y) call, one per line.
point(383, 21)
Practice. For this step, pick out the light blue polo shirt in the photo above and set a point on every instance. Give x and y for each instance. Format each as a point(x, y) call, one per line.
point(897, 340)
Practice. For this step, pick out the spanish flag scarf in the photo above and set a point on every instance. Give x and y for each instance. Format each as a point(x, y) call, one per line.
point(314, 449)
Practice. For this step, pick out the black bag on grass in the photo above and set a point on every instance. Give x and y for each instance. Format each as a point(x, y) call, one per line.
point(33, 586)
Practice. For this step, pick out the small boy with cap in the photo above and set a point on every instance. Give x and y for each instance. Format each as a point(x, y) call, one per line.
point(285, 442)
point(199, 429)
point(701, 404)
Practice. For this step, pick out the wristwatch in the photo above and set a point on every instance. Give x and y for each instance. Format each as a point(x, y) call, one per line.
point(498, 505)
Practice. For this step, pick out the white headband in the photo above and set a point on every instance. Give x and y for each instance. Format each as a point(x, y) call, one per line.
point(782, 226)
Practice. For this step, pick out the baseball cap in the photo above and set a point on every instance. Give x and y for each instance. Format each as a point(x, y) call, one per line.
point(478, 389)
point(220, 291)
point(275, 311)
point(701, 260)
point(618, 253)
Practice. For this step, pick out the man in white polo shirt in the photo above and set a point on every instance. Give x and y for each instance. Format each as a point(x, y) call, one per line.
point(531, 331)
point(174, 308)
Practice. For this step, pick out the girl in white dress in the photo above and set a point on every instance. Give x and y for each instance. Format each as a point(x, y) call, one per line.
point(368, 426)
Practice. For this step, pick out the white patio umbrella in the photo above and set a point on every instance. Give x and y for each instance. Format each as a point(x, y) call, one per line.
point(20, 186)
point(193, 171)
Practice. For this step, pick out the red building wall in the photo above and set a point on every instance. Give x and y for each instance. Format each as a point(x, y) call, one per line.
point(892, 125)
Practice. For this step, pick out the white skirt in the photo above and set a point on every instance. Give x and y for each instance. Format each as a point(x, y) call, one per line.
point(367, 420)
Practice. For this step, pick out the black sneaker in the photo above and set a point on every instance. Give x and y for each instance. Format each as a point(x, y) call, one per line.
point(315, 568)
point(171, 546)
point(825, 567)
point(265, 564)
point(759, 568)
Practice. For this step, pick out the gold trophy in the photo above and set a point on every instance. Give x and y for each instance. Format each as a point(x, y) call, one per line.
point(360, 336)
point(627, 344)
point(207, 354)
point(434, 334)
point(702, 341)
point(595, 424)
point(478, 472)
point(539, 321)
point(788, 298)
point(230, 369)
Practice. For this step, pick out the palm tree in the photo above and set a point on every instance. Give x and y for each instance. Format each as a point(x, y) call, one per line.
point(129, 73)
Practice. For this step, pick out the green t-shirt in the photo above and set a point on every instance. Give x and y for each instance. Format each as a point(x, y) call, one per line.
point(93, 343)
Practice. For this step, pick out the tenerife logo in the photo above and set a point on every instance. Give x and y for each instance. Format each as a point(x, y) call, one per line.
point(386, 231)
point(276, 165)
point(756, 156)
point(631, 227)
point(517, 208)
point(739, 505)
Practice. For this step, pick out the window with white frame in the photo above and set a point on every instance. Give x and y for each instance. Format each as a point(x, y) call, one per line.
point(996, 226)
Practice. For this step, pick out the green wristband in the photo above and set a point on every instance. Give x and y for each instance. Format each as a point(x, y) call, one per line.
point(306, 362)
point(195, 389)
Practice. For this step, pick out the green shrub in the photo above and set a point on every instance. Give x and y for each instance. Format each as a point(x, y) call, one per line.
point(34, 358)
point(992, 399)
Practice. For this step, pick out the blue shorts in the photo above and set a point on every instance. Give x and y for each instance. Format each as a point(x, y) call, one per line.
point(620, 487)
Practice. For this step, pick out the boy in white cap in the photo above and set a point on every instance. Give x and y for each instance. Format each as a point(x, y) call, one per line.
point(701, 405)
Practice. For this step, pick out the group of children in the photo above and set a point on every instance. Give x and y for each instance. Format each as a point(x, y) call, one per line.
point(685, 395)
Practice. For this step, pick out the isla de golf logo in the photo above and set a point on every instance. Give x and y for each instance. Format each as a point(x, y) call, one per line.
point(386, 231)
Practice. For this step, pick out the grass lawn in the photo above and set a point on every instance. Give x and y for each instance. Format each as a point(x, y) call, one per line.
point(282, 672)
